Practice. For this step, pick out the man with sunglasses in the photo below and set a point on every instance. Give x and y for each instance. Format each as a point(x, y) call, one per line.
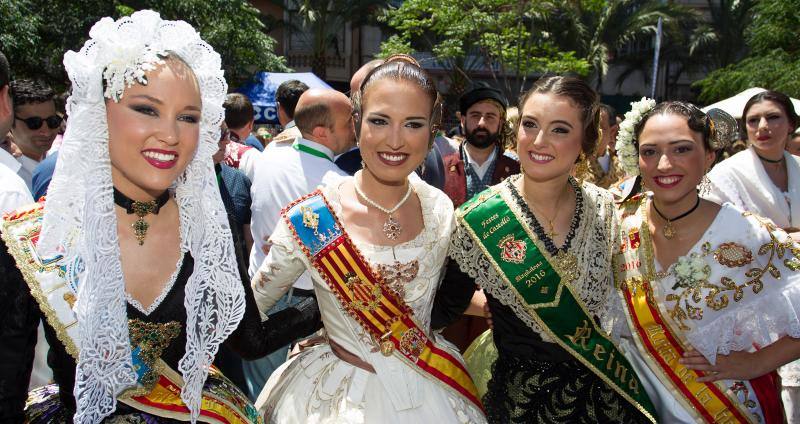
point(35, 125)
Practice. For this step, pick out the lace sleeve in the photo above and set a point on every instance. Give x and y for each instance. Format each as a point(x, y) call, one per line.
point(18, 322)
point(761, 301)
point(281, 268)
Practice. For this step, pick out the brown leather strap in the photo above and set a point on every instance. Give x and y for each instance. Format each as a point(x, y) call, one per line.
point(350, 358)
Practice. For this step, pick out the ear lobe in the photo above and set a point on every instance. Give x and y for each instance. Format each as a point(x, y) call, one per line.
point(320, 132)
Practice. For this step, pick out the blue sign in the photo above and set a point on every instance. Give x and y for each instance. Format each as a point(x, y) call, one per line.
point(261, 92)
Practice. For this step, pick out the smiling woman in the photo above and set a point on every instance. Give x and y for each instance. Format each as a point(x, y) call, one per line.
point(710, 293)
point(386, 232)
point(130, 260)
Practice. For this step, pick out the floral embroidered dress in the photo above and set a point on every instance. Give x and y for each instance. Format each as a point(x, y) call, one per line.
point(316, 386)
point(737, 289)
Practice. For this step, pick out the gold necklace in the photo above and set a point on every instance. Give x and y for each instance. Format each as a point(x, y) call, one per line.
point(552, 233)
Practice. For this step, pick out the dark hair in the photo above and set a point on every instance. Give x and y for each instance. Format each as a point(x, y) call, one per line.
point(776, 97)
point(313, 115)
point(697, 120)
point(401, 68)
point(611, 113)
point(288, 94)
point(238, 110)
point(5, 70)
point(581, 95)
point(24, 91)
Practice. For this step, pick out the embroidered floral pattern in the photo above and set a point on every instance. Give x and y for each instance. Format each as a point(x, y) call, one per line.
point(692, 272)
point(150, 340)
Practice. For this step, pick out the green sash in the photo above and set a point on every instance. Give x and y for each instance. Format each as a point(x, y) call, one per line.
point(539, 282)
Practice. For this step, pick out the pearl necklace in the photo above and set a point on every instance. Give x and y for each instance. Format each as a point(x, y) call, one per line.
point(391, 228)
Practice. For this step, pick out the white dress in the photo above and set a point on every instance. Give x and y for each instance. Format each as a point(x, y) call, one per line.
point(742, 180)
point(731, 311)
point(316, 386)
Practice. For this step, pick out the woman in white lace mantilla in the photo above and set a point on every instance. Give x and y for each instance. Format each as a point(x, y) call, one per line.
point(133, 234)
point(401, 226)
point(711, 293)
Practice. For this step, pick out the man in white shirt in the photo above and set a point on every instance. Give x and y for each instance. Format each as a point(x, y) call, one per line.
point(13, 192)
point(287, 96)
point(325, 121)
point(35, 123)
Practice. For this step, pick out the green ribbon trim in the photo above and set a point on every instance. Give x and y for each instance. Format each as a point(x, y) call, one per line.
point(537, 280)
point(310, 150)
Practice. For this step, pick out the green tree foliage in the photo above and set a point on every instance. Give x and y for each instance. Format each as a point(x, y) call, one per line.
point(323, 20)
point(602, 31)
point(500, 37)
point(36, 33)
point(774, 58)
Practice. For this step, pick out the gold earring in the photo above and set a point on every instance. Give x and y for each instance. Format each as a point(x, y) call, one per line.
point(582, 168)
point(705, 186)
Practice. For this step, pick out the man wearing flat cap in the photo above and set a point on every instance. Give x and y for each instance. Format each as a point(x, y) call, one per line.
point(479, 161)
point(478, 164)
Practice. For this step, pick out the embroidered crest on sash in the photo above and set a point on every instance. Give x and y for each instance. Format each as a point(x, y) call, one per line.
point(512, 250)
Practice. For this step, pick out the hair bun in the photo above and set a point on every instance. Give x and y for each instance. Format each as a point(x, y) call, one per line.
point(724, 128)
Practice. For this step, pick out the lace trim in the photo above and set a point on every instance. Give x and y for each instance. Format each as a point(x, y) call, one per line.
point(164, 292)
point(592, 245)
point(760, 323)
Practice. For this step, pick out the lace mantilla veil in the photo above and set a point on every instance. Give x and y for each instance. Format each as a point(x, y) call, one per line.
point(80, 224)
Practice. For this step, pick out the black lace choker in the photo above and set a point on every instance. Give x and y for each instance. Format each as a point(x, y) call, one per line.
point(141, 209)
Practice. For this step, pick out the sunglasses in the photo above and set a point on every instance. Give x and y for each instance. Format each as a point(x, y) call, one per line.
point(35, 122)
point(230, 135)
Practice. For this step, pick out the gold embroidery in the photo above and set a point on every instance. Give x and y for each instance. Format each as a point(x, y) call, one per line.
point(150, 339)
point(364, 298)
point(733, 255)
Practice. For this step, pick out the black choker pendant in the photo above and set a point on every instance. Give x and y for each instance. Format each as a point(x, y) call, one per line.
point(141, 209)
point(770, 160)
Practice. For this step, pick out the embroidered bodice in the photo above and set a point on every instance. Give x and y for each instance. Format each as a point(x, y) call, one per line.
point(737, 288)
point(591, 243)
point(159, 331)
point(412, 268)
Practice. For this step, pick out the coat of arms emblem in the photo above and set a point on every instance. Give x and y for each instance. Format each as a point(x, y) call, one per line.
point(512, 250)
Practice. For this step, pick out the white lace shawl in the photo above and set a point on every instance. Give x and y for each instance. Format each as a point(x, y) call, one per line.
point(592, 245)
point(79, 220)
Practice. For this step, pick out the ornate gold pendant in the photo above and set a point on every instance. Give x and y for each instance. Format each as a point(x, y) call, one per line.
point(669, 231)
point(140, 229)
point(392, 228)
point(387, 347)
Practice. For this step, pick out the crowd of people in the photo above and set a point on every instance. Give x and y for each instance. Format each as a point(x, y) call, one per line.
point(550, 261)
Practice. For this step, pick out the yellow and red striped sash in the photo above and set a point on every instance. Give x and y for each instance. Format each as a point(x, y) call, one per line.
point(653, 334)
point(366, 298)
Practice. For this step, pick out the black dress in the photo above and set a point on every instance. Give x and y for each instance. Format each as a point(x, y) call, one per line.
point(533, 381)
point(20, 317)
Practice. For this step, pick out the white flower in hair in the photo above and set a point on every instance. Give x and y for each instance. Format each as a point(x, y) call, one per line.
point(626, 149)
point(129, 48)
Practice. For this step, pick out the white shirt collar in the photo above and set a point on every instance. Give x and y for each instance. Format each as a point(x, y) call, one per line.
point(481, 169)
point(10, 161)
point(289, 124)
point(316, 146)
point(28, 163)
